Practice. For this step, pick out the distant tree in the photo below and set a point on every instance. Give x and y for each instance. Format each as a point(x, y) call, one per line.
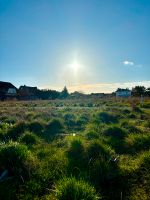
point(64, 94)
point(77, 95)
point(47, 94)
point(138, 90)
point(147, 92)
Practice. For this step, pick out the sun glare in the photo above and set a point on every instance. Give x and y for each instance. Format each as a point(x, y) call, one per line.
point(75, 66)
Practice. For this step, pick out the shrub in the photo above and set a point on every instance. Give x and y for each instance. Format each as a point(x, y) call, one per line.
point(90, 104)
point(137, 109)
point(138, 193)
point(106, 117)
point(115, 131)
point(36, 127)
point(132, 116)
point(76, 154)
point(72, 189)
point(17, 130)
point(29, 138)
point(13, 157)
point(97, 148)
point(4, 127)
point(140, 178)
point(146, 105)
point(99, 171)
point(92, 135)
point(76, 147)
point(137, 142)
point(147, 124)
point(130, 127)
point(50, 169)
point(126, 111)
point(70, 120)
point(54, 127)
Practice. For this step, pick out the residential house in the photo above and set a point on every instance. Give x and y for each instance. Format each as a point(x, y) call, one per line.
point(123, 92)
point(7, 91)
point(27, 93)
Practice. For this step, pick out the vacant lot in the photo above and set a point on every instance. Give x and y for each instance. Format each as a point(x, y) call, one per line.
point(75, 149)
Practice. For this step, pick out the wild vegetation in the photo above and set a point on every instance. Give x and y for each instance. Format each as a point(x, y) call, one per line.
point(75, 149)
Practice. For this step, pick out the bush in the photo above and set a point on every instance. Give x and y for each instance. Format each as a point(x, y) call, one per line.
point(126, 111)
point(72, 189)
point(115, 131)
point(54, 127)
point(90, 104)
point(137, 109)
point(146, 105)
point(70, 120)
point(97, 149)
point(51, 168)
point(147, 124)
point(137, 142)
point(130, 127)
point(28, 138)
point(100, 171)
point(13, 157)
point(17, 130)
point(138, 193)
point(76, 148)
point(106, 118)
point(132, 116)
point(92, 135)
point(36, 127)
point(4, 127)
point(140, 178)
point(76, 155)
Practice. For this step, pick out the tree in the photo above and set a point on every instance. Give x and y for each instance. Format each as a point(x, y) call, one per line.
point(47, 94)
point(138, 90)
point(147, 93)
point(64, 94)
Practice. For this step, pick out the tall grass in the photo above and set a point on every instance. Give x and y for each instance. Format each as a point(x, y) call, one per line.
point(72, 189)
point(68, 149)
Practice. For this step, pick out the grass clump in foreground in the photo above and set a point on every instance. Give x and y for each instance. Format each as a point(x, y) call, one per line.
point(16, 159)
point(72, 189)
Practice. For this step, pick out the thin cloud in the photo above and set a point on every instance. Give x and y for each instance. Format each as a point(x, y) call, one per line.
point(130, 63)
point(100, 87)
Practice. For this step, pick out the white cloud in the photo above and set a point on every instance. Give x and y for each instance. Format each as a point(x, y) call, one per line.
point(126, 62)
point(131, 63)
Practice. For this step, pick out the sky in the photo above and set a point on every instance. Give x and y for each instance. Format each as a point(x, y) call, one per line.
point(87, 45)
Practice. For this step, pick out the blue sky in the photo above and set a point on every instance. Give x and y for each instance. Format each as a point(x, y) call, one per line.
point(78, 43)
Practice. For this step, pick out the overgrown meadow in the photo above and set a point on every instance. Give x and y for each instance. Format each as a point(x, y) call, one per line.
point(75, 150)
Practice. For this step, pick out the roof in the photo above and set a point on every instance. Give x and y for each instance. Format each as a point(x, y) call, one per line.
point(6, 85)
point(27, 90)
point(123, 90)
point(27, 87)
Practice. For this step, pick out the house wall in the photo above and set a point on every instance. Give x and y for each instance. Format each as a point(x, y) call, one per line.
point(123, 94)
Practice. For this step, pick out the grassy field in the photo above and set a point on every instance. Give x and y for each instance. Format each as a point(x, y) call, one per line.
point(75, 150)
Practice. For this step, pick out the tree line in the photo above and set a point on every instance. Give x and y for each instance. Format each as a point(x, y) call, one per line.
point(140, 91)
point(52, 94)
point(136, 91)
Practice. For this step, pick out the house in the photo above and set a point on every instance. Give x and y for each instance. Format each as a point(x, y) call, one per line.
point(7, 91)
point(123, 92)
point(27, 93)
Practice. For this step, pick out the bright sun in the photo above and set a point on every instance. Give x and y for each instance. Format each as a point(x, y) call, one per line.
point(75, 66)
